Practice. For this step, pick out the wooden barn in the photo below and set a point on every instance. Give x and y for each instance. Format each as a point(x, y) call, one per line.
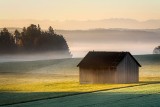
point(108, 67)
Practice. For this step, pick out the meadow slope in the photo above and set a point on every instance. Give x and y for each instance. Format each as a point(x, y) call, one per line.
point(26, 81)
point(150, 66)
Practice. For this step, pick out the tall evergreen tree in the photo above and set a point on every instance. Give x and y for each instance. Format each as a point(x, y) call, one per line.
point(32, 39)
point(50, 30)
point(7, 43)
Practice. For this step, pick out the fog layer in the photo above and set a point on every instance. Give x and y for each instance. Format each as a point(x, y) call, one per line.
point(135, 41)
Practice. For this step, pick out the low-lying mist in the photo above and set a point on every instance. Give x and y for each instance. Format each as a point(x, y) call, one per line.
point(34, 56)
point(134, 41)
point(81, 41)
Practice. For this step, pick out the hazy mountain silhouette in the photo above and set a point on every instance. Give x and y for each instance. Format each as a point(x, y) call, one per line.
point(88, 24)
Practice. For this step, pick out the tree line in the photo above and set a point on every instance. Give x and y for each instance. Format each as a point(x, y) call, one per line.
point(32, 39)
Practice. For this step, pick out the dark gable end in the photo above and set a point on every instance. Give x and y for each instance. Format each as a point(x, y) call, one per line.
point(135, 60)
point(104, 59)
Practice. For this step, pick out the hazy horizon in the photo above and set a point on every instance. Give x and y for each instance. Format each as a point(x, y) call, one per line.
point(84, 25)
point(79, 14)
point(135, 41)
point(90, 14)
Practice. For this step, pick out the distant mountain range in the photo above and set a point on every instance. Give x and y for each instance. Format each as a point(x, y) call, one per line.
point(88, 24)
point(111, 35)
point(107, 35)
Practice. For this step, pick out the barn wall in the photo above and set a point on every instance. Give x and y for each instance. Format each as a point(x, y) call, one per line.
point(120, 73)
point(95, 75)
point(85, 75)
point(132, 70)
point(127, 71)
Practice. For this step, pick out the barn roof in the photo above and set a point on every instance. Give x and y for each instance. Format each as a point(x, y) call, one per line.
point(112, 59)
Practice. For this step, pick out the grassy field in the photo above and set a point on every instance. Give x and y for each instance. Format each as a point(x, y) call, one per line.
point(26, 87)
point(139, 96)
point(150, 65)
point(43, 82)
point(56, 66)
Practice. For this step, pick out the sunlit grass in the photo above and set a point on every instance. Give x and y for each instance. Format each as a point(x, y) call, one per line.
point(63, 86)
point(16, 91)
point(29, 81)
point(58, 87)
point(150, 70)
point(52, 83)
point(149, 79)
point(26, 88)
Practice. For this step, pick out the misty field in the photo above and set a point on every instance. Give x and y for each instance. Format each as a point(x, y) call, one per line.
point(55, 83)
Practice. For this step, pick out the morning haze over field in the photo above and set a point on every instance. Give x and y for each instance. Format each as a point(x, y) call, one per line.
point(78, 53)
point(90, 14)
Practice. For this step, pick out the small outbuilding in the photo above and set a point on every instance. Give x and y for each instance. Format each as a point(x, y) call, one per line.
point(108, 67)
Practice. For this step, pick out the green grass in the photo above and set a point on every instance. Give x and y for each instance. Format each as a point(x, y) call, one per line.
point(31, 80)
point(63, 86)
point(57, 66)
point(27, 88)
point(139, 96)
point(150, 65)
point(148, 59)
point(16, 90)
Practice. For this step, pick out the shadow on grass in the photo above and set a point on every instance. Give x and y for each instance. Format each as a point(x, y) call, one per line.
point(111, 99)
point(9, 98)
point(94, 97)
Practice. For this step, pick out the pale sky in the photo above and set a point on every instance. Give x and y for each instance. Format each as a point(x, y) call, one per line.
point(84, 14)
point(79, 9)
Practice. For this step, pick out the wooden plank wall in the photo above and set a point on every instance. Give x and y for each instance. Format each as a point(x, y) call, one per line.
point(132, 70)
point(99, 76)
point(127, 71)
